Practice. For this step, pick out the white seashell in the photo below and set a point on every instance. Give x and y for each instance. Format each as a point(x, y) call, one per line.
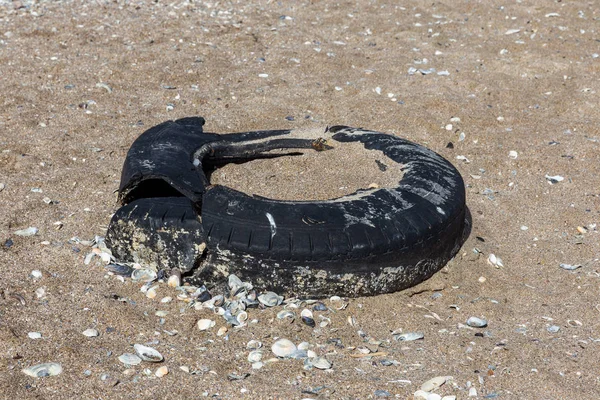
point(554, 179)
point(91, 332)
point(88, 258)
point(151, 293)
point(421, 395)
point(513, 154)
point(477, 322)
point(162, 371)
point(166, 299)
point(253, 345)
point(311, 354)
point(185, 369)
point(242, 317)
point(553, 328)
point(570, 267)
point(434, 383)
point(147, 353)
point(270, 299)
point(31, 231)
point(257, 365)
point(303, 346)
point(255, 356)
point(174, 281)
point(130, 359)
point(222, 330)
point(143, 275)
point(36, 274)
point(161, 313)
point(409, 336)
point(283, 348)
point(106, 258)
point(495, 260)
point(320, 363)
point(286, 314)
point(42, 370)
point(204, 324)
point(306, 313)
point(335, 298)
point(234, 282)
point(34, 335)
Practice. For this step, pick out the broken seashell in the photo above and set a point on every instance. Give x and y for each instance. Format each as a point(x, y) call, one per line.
point(162, 371)
point(204, 324)
point(43, 370)
point(143, 275)
point(270, 299)
point(253, 345)
point(130, 359)
point(147, 353)
point(283, 348)
point(255, 356)
point(174, 281)
point(409, 336)
point(31, 231)
point(286, 314)
point(320, 363)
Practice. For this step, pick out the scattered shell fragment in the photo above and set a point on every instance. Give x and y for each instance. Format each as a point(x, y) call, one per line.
point(91, 332)
point(553, 328)
point(320, 363)
point(151, 293)
point(36, 274)
point(554, 179)
point(270, 299)
point(42, 370)
point(162, 371)
point(409, 336)
point(222, 330)
point(513, 154)
point(204, 324)
point(573, 323)
point(174, 281)
point(31, 231)
point(130, 359)
point(570, 267)
point(495, 261)
point(255, 356)
point(434, 383)
point(253, 345)
point(34, 335)
point(476, 322)
point(143, 275)
point(283, 348)
point(286, 314)
point(147, 353)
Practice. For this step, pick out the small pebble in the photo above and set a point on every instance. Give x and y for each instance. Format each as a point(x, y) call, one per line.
point(477, 322)
point(553, 329)
point(91, 332)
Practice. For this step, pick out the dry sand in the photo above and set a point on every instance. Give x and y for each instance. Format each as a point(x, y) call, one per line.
point(519, 75)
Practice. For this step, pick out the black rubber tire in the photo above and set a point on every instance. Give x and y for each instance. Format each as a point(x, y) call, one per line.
point(367, 243)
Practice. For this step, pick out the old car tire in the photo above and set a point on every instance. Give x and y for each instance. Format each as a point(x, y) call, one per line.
point(369, 242)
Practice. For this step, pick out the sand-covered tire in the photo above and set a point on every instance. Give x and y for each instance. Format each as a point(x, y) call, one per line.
point(369, 242)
